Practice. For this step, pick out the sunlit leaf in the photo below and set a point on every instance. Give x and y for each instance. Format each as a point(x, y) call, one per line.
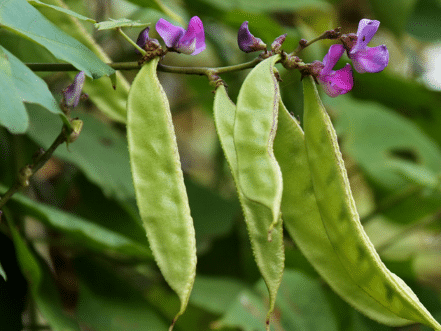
point(38, 3)
point(12, 111)
point(119, 23)
point(23, 19)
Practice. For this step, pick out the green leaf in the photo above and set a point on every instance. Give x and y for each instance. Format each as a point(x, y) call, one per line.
point(375, 135)
point(110, 98)
point(222, 288)
point(301, 305)
point(161, 6)
point(303, 221)
point(415, 173)
point(401, 9)
point(79, 229)
point(121, 308)
point(38, 3)
point(213, 215)
point(12, 111)
point(43, 289)
point(159, 184)
point(30, 87)
point(341, 220)
point(100, 151)
point(269, 255)
point(21, 18)
point(119, 23)
point(424, 22)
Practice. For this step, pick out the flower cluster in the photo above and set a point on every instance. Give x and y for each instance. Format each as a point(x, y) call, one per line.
point(334, 82)
point(177, 39)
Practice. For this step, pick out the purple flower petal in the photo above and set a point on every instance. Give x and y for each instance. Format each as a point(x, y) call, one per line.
point(366, 30)
point(337, 82)
point(331, 58)
point(142, 38)
point(193, 40)
point(197, 27)
point(371, 59)
point(169, 32)
point(247, 42)
point(72, 93)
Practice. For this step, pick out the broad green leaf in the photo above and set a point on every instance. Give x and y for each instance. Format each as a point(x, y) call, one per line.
point(30, 87)
point(168, 8)
point(341, 220)
point(223, 289)
point(424, 22)
point(415, 173)
point(21, 18)
point(267, 6)
point(12, 110)
point(269, 255)
point(301, 305)
point(100, 151)
point(374, 135)
point(42, 287)
point(213, 215)
point(303, 221)
point(110, 101)
point(401, 9)
point(37, 3)
point(119, 23)
point(107, 303)
point(159, 184)
point(79, 229)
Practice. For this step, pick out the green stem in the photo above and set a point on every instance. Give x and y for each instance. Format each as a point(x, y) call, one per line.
point(26, 172)
point(126, 37)
point(161, 67)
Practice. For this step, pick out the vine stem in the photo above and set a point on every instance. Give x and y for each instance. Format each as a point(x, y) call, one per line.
point(27, 171)
point(161, 67)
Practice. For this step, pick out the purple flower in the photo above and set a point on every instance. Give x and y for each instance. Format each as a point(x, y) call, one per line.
point(190, 41)
point(72, 93)
point(144, 41)
point(334, 82)
point(364, 58)
point(247, 42)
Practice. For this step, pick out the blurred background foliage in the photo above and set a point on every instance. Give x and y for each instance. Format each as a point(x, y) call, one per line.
point(89, 255)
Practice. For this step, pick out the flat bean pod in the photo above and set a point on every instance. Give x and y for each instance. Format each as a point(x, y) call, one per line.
point(269, 255)
point(302, 219)
point(259, 175)
point(159, 184)
point(341, 221)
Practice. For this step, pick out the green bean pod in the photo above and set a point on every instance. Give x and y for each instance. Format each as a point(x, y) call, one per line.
point(303, 222)
point(341, 221)
point(269, 255)
point(159, 184)
point(259, 176)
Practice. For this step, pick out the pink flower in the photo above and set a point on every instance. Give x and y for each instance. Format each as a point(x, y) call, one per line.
point(334, 82)
point(190, 41)
point(247, 42)
point(364, 58)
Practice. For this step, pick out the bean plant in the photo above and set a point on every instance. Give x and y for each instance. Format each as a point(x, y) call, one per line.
point(124, 229)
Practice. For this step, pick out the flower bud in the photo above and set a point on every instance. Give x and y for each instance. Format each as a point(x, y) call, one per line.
point(247, 42)
point(72, 93)
point(277, 43)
